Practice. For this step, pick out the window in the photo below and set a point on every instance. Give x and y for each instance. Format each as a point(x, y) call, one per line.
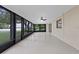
point(37, 27)
point(4, 26)
point(40, 27)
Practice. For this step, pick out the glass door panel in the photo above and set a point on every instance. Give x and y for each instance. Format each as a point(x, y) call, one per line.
point(18, 28)
point(25, 27)
point(4, 26)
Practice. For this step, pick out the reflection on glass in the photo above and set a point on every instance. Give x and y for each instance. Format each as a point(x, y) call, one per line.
point(18, 28)
point(4, 26)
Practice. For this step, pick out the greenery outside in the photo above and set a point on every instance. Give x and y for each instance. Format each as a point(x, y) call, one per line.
point(4, 26)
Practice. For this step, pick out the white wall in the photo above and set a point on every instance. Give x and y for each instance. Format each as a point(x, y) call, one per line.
point(70, 31)
point(71, 27)
point(58, 32)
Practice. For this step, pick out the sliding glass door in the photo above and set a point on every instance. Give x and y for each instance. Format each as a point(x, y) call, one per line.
point(30, 27)
point(26, 27)
point(4, 26)
point(13, 28)
point(18, 28)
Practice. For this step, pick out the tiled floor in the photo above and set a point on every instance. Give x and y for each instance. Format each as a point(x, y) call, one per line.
point(41, 43)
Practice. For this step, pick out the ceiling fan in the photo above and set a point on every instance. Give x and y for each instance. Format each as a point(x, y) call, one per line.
point(44, 19)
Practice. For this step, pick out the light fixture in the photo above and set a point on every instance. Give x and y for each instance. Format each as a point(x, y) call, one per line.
point(42, 18)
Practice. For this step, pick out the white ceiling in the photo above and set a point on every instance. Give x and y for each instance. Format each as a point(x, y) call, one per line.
point(35, 12)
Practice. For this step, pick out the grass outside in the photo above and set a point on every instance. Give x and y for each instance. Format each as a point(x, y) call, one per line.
point(4, 37)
